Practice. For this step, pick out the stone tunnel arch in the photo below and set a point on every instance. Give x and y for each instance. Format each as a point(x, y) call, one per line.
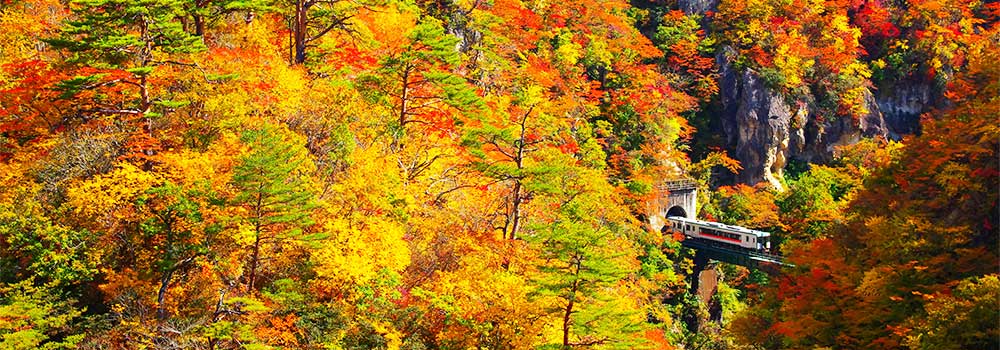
point(677, 211)
point(673, 211)
point(680, 199)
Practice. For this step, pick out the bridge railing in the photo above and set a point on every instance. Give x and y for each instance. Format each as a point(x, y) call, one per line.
point(678, 184)
point(739, 256)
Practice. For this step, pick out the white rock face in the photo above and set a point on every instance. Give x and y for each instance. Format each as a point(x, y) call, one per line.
point(764, 129)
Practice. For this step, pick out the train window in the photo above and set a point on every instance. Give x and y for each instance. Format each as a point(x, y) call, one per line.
point(687, 227)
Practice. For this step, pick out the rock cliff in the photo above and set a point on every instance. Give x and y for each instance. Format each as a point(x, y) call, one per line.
point(697, 6)
point(902, 104)
point(764, 129)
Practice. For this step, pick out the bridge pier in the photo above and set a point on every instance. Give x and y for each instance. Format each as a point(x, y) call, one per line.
point(706, 283)
point(705, 279)
point(701, 261)
point(680, 199)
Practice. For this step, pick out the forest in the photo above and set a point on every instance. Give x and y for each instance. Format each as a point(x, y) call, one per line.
point(477, 174)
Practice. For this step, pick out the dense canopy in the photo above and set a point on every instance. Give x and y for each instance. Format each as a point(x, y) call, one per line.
point(476, 174)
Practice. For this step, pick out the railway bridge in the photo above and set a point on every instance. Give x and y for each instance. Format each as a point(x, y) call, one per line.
point(681, 199)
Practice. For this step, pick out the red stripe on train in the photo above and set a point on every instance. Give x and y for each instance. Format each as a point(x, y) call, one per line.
point(720, 237)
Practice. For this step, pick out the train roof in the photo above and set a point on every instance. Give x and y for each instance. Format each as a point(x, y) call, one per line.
point(722, 226)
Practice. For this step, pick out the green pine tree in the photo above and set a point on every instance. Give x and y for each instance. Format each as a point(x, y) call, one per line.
point(131, 35)
point(273, 192)
point(418, 79)
point(581, 269)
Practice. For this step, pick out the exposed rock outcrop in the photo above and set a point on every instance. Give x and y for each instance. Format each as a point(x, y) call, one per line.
point(757, 125)
point(764, 129)
point(902, 104)
point(697, 6)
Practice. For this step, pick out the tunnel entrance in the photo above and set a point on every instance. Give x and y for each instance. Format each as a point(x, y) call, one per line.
point(676, 211)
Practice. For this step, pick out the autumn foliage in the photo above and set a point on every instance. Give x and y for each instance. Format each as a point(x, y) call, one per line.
point(469, 174)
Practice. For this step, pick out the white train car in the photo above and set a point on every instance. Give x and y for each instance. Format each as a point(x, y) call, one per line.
point(722, 233)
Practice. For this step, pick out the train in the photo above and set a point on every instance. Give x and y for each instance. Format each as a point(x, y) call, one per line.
point(741, 237)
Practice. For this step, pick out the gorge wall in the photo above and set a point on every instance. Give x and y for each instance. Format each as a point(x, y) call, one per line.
point(764, 129)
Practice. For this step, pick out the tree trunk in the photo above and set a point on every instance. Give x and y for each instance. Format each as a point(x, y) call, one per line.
point(199, 26)
point(566, 316)
point(254, 260)
point(403, 97)
point(519, 161)
point(299, 30)
point(161, 311)
point(258, 230)
point(515, 216)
